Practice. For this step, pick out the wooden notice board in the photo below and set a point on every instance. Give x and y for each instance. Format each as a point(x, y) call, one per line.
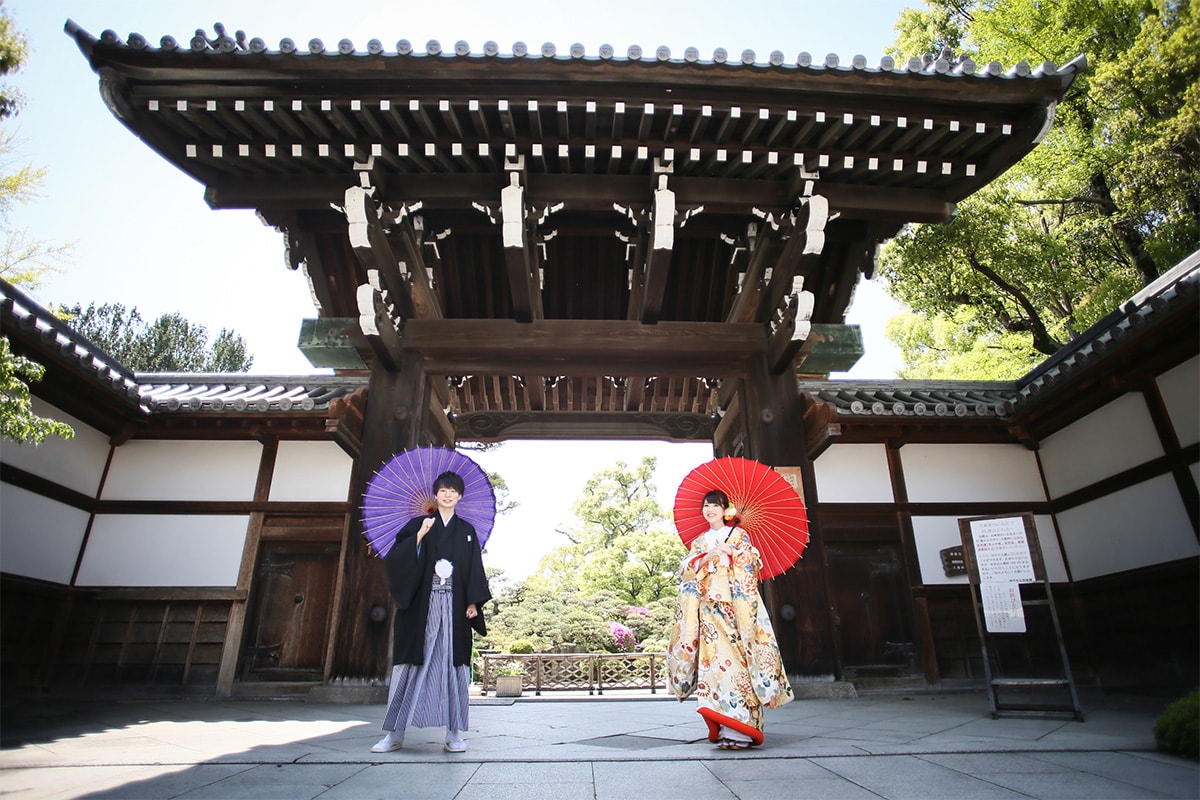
point(1003, 554)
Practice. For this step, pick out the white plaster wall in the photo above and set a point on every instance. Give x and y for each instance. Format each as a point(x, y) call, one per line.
point(183, 470)
point(947, 473)
point(313, 471)
point(76, 463)
point(854, 473)
point(163, 550)
point(1180, 389)
point(39, 537)
point(933, 534)
point(1139, 526)
point(1112, 439)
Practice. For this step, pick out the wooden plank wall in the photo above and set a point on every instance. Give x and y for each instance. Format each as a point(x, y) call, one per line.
point(61, 641)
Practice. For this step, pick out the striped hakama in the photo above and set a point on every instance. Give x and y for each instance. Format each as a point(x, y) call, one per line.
point(433, 694)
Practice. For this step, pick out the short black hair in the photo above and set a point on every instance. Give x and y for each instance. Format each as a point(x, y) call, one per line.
point(716, 496)
point(449, 480)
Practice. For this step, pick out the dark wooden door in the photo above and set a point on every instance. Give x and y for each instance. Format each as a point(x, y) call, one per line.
point(872, 609)
point(290, 611)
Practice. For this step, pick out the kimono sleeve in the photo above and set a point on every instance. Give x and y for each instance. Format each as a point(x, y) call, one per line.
point(477, 590)
point(403, 566)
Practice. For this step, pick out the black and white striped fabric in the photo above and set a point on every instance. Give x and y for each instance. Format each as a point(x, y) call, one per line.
point(435, 693)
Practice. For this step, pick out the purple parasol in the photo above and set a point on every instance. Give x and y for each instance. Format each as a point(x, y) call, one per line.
point(403, 488)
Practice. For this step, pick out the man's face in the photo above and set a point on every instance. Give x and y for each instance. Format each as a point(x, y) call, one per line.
point(447, 498)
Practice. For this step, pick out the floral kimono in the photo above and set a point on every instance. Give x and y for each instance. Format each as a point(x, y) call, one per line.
point(723, 647)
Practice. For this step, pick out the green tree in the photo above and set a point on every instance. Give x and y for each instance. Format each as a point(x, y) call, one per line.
point(170, 344)
point(18, 423)
point(22, 262)
point(1107, 201)
point(623, 544)
point(955, 346)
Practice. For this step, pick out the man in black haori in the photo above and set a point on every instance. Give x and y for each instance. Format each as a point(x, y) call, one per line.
point(435, 574)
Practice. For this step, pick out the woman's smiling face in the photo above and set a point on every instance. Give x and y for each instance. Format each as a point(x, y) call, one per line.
point(714, 513)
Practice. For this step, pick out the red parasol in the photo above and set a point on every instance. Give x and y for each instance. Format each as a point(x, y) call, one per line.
point(770, 510)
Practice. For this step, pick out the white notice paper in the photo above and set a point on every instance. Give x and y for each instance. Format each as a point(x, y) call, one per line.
point(1002, 610)
point(1001, 550)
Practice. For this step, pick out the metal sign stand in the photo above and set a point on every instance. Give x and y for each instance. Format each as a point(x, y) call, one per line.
point(1005, 541)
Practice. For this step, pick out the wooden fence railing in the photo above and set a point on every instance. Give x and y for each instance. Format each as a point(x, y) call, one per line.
point(592, 671)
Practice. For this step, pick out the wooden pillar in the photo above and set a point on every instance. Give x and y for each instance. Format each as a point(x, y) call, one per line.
point(798, 600)
point(396, 405)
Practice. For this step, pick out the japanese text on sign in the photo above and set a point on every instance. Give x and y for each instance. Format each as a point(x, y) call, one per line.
point(1002, 611)
point(1002, 550)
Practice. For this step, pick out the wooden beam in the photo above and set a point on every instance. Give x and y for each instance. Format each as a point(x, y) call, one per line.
point(582, 193)
point(583, 347)
point(376, 324)
point(372, 248)
point(496, 426)
point(518, 249)
point(746, 304)
point(807, 241)
point(658, 252)
point(424, 299)
point(790, 334)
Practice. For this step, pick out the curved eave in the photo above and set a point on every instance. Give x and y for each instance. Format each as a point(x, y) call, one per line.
point(939, 80)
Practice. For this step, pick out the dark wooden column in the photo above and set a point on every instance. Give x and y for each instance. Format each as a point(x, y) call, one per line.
point(396, 402)
point(798, 599)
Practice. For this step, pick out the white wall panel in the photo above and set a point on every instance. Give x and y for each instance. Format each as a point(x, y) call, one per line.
point(854, 473)
point(1136, 527)
point(39, 537)
point(76, 463)
point(946, 473)
point(1110, 440)
point(163, 550)
point(934, 534)
point(183, 470)
point(1180, 388)
point(313, 471)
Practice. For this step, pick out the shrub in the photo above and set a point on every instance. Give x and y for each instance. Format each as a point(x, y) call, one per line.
point(1177, 730)
point(623, 639)
point(523, 646)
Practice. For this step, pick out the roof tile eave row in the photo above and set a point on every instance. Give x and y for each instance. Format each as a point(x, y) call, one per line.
point(222, 44)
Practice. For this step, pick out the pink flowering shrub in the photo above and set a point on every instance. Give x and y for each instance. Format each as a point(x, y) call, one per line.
point(623, 638)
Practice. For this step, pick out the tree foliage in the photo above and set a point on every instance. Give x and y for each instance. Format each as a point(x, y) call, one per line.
point(170, 344)
point(18, 423)
point(1106, 202)
point(612, 586)
point(23, 262)
point(623, 544)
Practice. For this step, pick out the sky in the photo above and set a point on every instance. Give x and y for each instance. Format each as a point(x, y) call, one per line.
point(144, 237)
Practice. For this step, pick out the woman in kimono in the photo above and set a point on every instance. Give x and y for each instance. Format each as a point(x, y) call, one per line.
point(723, 647)
point(435, 574)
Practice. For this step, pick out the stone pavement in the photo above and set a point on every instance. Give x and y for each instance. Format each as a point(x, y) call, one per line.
point(922, 746)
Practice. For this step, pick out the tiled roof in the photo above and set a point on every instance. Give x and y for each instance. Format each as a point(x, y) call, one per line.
point(1172, 291)
point(915, 398)
point(222, 42)
point(236, 392)
point(57, 344)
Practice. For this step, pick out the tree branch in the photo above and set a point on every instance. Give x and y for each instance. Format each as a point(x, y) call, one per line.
point(1043, 342)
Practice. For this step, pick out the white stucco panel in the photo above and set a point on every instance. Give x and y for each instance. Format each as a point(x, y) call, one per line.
point(163, 550)
point(183, 470)
point(39, 537)
point(1110, 440)
point(76, 463)
point(947, 473)
point(313, 471)
point(1135, 527)
point(854, 473)
point(1180, 389)
point(935, 534)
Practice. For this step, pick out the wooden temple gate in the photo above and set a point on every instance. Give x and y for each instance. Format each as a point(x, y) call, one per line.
point(567, 246)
